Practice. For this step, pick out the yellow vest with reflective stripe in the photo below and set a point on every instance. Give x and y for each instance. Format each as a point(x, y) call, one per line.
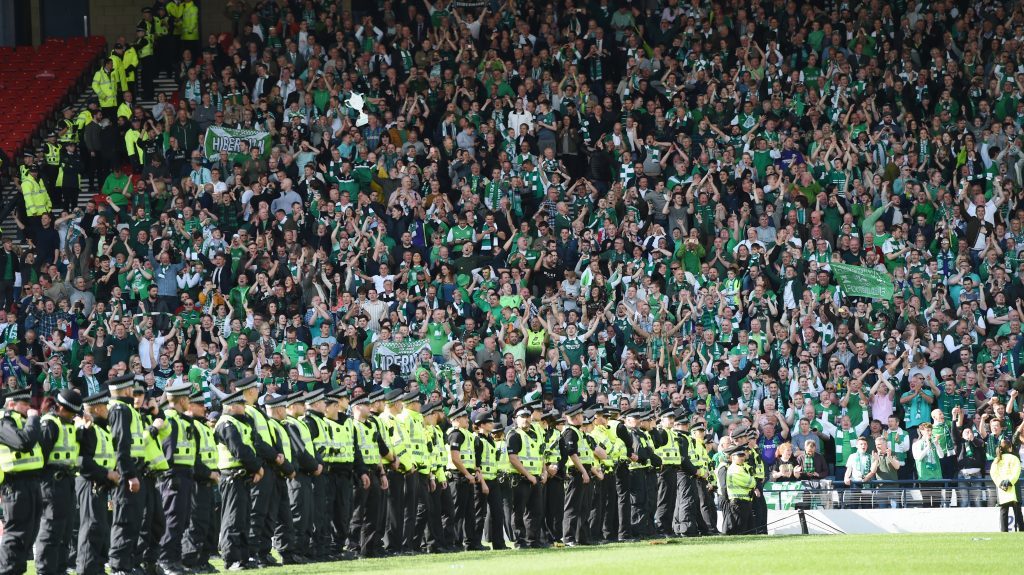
point(394, 435)
point(185, 447)
point(669, 452)
point(467, 452)
point(104, 455)
point(304, 434)
point(586, 454)
point(502, 453)
point(105, 86)
point(206, 444)
point(37, 201)
point(52, 154)
point(259, 421)
point(153, 453)
point(18, 461)
point(529, 455)
point(438, 452)
point(488, 458)
point(147, 50)
point(343, 439)
point(367, 446)
point(138, 448)
point(739, 483)
point(226, 459)
point(65, 449)
point(411, 423)
point(281, 434)
point(645, 441)
point(323, 442)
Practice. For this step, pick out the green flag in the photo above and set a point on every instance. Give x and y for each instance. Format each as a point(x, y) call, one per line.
point(219, 139)
point(863, 282)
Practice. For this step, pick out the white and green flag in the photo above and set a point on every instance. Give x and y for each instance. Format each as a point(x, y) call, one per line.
point(862, 282)
point(403, 354)
point(229, 140)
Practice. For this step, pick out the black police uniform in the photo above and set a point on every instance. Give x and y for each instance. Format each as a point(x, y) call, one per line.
point(92, 489)
point(58, 492)
point(127, 520)
point(22, 500)
point(527, 507)
point(235, 490)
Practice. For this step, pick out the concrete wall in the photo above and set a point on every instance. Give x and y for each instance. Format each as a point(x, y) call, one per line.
point(113, 18)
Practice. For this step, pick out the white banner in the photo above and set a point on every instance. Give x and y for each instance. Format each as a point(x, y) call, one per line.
point(403, 354)
point(853, 521)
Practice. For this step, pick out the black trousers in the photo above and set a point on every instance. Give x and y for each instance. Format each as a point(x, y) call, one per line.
point(195, 550)
point(235, 506)
point(51, 544)
point(707, 508)
point(462, 512)
point(68, 199)
point(428, 517)
point(489, 515)
point(738, 519)
point(554, 508)
point(341, 512)
point(1004, 517)
point(575, 513)
point(93, 527)
point(366, 518)
point(394, 531)
point(666, 503)
point(624, 493)
point(260, 495)
point(153, 522)
point(651, 477)
point(146, 72)
point(504, 487)
point(22, 505)
point(300, 496)
point(279, 515)
point(595, 514)
point(759, 515)
point(176, 491)
point(321, 504)
point(124, 531)
point(415, 491)
point(527, 512)
point(638, 495)
point(688, 520)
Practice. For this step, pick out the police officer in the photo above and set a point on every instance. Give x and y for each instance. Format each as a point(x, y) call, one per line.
point(488, 512)
point(463, 475)
point(554, 487)
point(603, 513)
point(36, 199)
point(308, 466)
point(428, 515)
point(706, 482)
point(756, 468)
point(262, 491)
point(366, 504)
point(523, 447)
point(279, 514)
point(239, 467)
point(51, 154)
point(21, 459)
point(195, 552)
point(345, 466)
point(410, 422)
point(576, 456)
point(740, 485)
point(154, 467)
point(322, 496)
point(127, 431)
point(144, 50)
point(666, 446)
point(69, 177)
point(59, 443)
point(96, 478)
point(178, 440)
point(67, 127)
point(687, 520)
point(401, 468)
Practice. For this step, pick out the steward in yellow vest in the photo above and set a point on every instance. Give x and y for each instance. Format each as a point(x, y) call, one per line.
point(97, 477)
point(105, 84)
point(59, 443)
point(206, 475)
point(239, 465)
point(33, 191)
point(20, 461)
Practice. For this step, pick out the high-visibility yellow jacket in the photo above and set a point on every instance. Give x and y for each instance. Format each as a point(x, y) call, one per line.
point(105, 86)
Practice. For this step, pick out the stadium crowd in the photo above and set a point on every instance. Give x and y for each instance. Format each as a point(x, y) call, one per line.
point(627, 207)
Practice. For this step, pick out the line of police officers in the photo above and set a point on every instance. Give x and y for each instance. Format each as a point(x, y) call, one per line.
point(317, 477)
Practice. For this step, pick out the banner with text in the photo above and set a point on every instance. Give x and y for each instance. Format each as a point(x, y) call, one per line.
point(403, 354)
point(229, 140)
point(863, 282)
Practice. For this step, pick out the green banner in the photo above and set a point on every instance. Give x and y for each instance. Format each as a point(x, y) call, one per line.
point(229, 140)
point(403, 354)
point(863, 282)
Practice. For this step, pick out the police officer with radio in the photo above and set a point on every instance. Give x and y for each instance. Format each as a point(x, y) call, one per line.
point(21, 459)
point(59, 443)
point(97, 477)
point(239, 467)
point(126, 432)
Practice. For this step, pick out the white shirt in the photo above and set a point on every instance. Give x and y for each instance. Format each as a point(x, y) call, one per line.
point(147, 349)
